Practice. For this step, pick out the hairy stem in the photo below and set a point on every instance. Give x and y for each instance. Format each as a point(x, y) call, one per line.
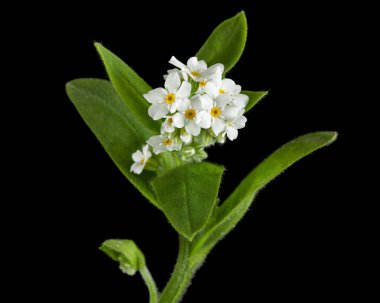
point(182, 274)
point(148, 279)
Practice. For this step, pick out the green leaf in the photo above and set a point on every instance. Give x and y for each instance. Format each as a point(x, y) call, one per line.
point(226, 43)
point(115, 126)
point(187, 195)
point(254, 98)
point(238, 203)
point(129, 86)
point(126, 252)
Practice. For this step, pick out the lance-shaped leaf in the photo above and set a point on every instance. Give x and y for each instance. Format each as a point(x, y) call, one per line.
point(187, 195)
point(238, 203)
point(254, 98)
point(126, 252)
point(115, 126)
point(128, 85)
point(226, 43)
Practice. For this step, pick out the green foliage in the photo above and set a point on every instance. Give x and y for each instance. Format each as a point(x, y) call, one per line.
point(126, 252)
point(119, 131)
point(128, 85)
point(254, 98)
point(187, 195)
point(238, 203)
point(226, 43)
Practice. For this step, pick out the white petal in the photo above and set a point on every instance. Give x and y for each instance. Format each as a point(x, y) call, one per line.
point(228, 85)
point(240, 122)
point(192, 64)
point(184, 91)
point(146, 152)
point(196, 103)
point(218, 125)
point(202, 66)
point(167, 127)
point(240, 100)
point(173, 107)
point(158, 110)
point(231, 112)
point(183, 104)
point(213, 69)
point(137, 156)
point(179, 120)
point(155, 140)
point(222, 100)
point(204, 119)
point(236, 90)
point(211, 90)
point(192, 128)
point(173, 60)
point(232, 133)
point(137, 168)
point(159, 149)
point(207, 102)
point(156, 95)
point(172, 82)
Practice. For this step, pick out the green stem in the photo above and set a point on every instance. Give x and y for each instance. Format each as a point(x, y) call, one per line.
point(148, 279)
point(182, 274)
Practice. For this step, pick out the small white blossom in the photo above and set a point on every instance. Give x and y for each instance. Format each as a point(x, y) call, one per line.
point(218, 112)
point(162, 143)
point(194, 68)
point(185, 136)
point(167, 126)
point(190, 116)
point(165, 100)
point(140, 157)
point(234, 124)
point(218, 86)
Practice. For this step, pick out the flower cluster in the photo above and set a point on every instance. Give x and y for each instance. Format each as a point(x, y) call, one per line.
point(198, 108)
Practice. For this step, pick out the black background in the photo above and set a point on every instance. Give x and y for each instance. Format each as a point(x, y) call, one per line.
point(293, 244)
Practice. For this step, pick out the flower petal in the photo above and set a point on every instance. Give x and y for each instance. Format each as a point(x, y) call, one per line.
point(137, 156)
point(183, 104)
point(156, 96)
point(218, 125)
point(192, 64)
point(192, 128)
point(185, 137)
point(240, 122)
point(173, 60)
point(184, 91)
point(155, 140)
point(228, 85)
point(158, 110)
point(240, 100)
point(211, 90)
point(222, 100)
point(212, 70)
point(204, 119)
point(206, 101)
point(146, 152)
point(232, 133)
point(159, 149)
point(137, 168)
point(230, 113)
point(174, 147)
point(179, 120)
point(172, 82)
point(196, 103)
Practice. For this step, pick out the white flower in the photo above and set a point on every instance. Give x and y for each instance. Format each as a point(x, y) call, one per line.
point(167, 126)
point(183, 74)
point(185, 137)
point(166, 99)
point(213, 72)
point(162, 143)
point(234, 124)
point(194, 68)
point(218, 112)
point(140, 158)
point(191, 116)
point(218, 86)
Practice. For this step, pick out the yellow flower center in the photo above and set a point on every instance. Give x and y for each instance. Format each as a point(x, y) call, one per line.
point(195, 74)
point(215, 112)
point(221, 91)
point(167, 141)
point(170, 120)
point(202, 83)
point(170, 98)
point(190, 114)
point(142, 161)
